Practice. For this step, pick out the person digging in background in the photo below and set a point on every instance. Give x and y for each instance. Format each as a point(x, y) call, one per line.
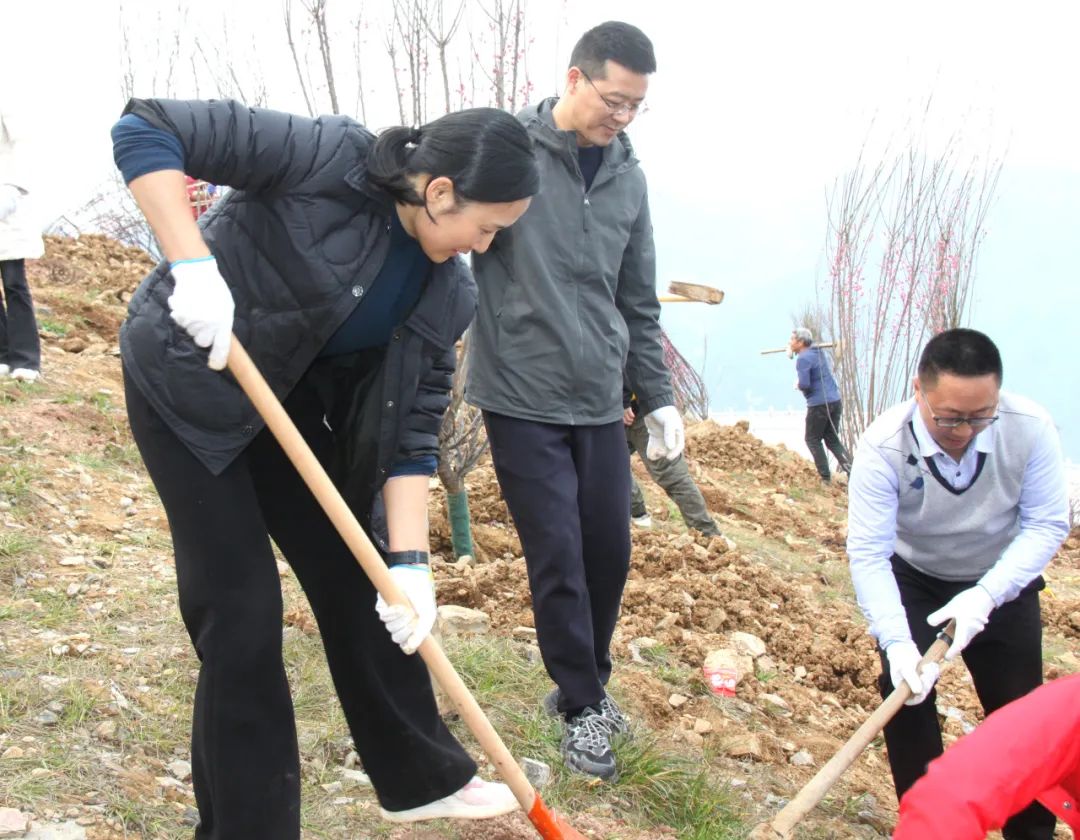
point(567, 302)
point(20, 240)
point(823, 405)
point(1028, 750)
point(333, 258)
point(957, 502)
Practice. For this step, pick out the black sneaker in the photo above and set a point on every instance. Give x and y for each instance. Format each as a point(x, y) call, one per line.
point(586, 745)
point(618, 723)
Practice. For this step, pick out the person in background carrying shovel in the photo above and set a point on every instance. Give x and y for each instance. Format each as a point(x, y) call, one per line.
point(333, 258)
point(957, 502)
point(823, 404)
point(567, 301)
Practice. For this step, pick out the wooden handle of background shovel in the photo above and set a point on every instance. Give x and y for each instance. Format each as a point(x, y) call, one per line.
point(814, 791)
point(550, 825)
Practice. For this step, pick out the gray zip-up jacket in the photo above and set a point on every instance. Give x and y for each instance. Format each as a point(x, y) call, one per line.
point(568, 294)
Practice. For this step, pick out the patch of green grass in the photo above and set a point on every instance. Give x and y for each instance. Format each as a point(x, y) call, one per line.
point(17, 477)
point(57, 610)
point(665, 667)
point(52, 327)
point(102, 403)
point(89, 460)
point(14, 702)
point(15, 543)
point(657, 654)
point(14, 548)
point(122, 455)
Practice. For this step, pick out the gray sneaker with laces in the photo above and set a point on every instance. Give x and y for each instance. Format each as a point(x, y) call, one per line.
point(586, 745)
point(617, 722)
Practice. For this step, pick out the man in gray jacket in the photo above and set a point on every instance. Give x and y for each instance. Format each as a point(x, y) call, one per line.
point(567, 301)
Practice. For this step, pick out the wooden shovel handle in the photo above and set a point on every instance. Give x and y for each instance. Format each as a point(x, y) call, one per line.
point(814, 790)
point(313, 474)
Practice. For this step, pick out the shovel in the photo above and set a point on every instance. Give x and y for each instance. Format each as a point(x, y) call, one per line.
point(780, 826)
point(550, 825)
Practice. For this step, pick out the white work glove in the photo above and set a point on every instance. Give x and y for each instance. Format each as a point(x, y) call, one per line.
point(667, 437)
point(904, 667)
point(9, 200)
point(203, 305)
point(971, 609)
point(409, 627)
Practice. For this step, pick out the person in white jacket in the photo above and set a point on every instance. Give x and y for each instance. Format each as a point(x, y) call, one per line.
point(20, 240)
point(956, 504)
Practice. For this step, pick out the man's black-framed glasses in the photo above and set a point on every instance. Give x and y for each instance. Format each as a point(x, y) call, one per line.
point(617, 109)
point(977, 423)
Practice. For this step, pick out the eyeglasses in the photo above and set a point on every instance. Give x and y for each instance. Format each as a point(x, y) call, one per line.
point(617, 108)
point(977, 424)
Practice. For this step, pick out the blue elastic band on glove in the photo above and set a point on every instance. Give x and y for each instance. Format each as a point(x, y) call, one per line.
point(192, 260)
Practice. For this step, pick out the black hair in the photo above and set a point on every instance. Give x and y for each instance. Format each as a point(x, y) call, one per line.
point(961, 352)
point(485, 152)
point(613, 41)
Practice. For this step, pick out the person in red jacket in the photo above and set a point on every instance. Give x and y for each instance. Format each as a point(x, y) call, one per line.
point(1027, 750)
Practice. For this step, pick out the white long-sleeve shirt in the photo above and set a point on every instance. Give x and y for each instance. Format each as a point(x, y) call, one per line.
point(874, 501)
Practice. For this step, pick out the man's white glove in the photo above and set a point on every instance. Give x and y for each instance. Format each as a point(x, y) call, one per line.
point(9, 200)
point(203, 305)
point(667, 437)
point(409, 627)
point(904, 667)
point(971, 609)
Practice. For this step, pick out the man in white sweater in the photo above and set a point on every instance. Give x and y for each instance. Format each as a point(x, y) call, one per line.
point(957, 502)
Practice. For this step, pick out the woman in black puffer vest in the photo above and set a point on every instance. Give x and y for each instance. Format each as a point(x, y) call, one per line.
point(334, 257)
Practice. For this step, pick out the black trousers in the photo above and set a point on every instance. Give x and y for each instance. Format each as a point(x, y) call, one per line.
point(20, 346)
point(568, 491)
point(1005, 663)
point(245, 761)
point(823, 425)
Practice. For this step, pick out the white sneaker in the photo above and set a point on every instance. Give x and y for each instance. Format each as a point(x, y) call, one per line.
point(644, 521)
point(25, 375)
point(4, 370)
point(478, 800)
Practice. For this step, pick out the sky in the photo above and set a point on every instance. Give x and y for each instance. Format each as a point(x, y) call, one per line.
point(756, 109)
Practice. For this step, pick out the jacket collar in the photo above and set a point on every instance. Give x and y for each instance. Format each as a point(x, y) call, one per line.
point(447, 304)
point(357, 176)
point(618, 155)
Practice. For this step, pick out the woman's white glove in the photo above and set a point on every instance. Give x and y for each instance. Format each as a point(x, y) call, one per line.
point(409, 627)
point(904, 668)
point(9, 200)
point(971, 609)
point(667, 437)
point(203, 305)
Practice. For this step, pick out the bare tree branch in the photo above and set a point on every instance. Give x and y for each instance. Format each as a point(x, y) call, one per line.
point(287, 9)
point(441, 35)
point(317, 10)
point(923, 220)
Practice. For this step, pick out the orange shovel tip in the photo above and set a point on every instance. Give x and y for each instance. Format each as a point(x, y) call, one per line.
point(550, 825)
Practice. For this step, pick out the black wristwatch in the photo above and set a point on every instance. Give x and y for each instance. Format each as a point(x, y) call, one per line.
point(407, 558)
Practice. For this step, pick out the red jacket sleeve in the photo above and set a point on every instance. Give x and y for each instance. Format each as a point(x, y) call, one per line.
point(1018, 753)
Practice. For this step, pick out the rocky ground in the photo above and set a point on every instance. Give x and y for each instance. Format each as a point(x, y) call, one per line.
point(96, 673)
